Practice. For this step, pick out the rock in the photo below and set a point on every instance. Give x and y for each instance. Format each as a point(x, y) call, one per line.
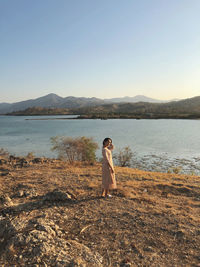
point(21, 193)
point(27, 193)
point(57, 195)
point(125, 263)
point(23, 162)
point(148, 249)
point(6, 201)
point(180, 235)
point(13, 158)
point(38, 242)
point(3, 161)
point(4, 172)
point(84, 254)
point(37, 160)
point(24, 191)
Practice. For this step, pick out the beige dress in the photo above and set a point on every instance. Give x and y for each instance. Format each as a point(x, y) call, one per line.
point(108, 178)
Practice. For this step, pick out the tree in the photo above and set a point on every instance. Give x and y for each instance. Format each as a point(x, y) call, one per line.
point(75, 149)
point(123, 157)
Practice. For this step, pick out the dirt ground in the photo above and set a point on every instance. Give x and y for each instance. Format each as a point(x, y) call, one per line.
point(51, 214)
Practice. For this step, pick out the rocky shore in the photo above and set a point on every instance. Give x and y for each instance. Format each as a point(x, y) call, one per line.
point(51, 214)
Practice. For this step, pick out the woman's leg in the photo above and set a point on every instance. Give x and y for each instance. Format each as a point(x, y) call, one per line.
point(106, 192)
point(102, 192)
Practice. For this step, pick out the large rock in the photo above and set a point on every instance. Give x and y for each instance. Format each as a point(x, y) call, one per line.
point(40, 241)
point(22, 191)
point(57, 195)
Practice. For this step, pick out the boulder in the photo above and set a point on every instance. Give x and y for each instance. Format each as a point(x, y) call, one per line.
point(57, 195)
point(39, 241)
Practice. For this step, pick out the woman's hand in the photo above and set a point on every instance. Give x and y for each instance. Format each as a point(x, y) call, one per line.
point(112, 170)
point(111, 147)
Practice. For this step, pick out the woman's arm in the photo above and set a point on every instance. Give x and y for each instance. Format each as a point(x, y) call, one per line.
point(111, 147)
point(105, 154)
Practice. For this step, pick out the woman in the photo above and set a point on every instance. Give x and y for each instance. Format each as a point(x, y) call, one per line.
point(108, 173)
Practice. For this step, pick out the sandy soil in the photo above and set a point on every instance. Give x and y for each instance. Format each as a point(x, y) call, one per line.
point(51, 214)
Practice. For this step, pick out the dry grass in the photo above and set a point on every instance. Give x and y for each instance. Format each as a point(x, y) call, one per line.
point(153, 219)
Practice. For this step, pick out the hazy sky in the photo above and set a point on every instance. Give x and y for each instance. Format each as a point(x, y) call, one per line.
point(105, 48)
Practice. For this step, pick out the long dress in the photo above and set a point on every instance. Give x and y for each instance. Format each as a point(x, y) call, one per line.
point(108, 178)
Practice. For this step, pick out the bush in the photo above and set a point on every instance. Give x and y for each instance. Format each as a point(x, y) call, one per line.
point(75, 149)
point(30, 155)
point(123, 157)
point(4, 153)
point(176, 170)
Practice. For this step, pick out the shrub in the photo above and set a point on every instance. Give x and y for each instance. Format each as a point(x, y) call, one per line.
point(4, 153)
point(124, 156)
point(169, 171)
point(30, 155)
point(176, 170)
point(75, 149)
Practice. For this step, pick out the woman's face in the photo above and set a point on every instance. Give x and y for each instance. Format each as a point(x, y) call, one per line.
point(108, 143)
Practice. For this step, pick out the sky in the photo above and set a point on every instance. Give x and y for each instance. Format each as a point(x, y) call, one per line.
point(107, 48)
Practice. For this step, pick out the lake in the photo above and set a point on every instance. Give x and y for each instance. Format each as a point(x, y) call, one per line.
point(157, 144)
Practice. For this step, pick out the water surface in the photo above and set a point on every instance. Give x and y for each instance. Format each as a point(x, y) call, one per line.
point(161, 140)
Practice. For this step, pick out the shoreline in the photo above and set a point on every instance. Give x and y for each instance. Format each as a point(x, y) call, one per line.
point(106, 117)
point(113, 118)
point(144, 162)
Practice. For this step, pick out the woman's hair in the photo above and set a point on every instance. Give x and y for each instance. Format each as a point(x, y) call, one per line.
point(106, 140)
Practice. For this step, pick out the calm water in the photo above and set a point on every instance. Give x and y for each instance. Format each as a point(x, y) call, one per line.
point(165, 141)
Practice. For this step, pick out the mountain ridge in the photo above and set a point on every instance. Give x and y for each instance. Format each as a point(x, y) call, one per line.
point(55, 101)
point(182, 109)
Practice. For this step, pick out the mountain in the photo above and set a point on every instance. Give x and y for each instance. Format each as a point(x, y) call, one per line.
point(137, 98)
point(187, 108)
point(182, 109)
point(50, 101)
point(55, 101)
point(4, 105)
point(75, 102)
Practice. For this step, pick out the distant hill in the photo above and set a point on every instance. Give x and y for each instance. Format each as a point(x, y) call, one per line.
point(137, 98)
point(41, 111)
point(55, 101)
point(183, 109)
point(187, 108)
point(51, 101)
point(4, 106)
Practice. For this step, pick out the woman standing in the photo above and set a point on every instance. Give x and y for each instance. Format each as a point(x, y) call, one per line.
point(108, 173)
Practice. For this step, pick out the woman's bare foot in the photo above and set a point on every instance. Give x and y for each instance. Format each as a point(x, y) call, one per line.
point(103, 193)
